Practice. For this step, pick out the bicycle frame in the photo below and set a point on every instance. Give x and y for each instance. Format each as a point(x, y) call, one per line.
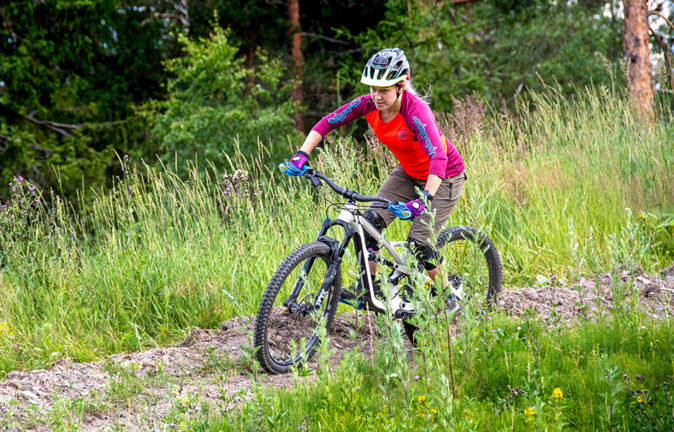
point(312, 302)
point(355, 226)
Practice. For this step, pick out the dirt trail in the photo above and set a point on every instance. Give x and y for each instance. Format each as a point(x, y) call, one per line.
point(141, 391)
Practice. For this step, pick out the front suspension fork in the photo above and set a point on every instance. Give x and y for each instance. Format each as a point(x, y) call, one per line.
point(333, 267)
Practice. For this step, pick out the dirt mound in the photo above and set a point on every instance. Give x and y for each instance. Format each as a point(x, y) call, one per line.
point(588, 297)
point(210, 363)
point(139, 391)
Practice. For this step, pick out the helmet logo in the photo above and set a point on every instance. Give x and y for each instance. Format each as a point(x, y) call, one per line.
point(382, 61)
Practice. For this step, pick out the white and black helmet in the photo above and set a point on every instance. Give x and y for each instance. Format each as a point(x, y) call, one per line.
point(389, 66)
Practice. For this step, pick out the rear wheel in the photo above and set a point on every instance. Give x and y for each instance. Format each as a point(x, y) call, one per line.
point(474, 267)
point(286, 332)
point(473, 262)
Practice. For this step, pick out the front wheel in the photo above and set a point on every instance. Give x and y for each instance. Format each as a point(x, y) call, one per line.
point(295, 304)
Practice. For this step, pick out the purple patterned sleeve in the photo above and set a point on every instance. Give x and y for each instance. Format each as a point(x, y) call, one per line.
point(343, 115)
point(420, 120)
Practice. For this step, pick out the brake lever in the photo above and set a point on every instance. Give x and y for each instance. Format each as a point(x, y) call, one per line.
point(315, 181)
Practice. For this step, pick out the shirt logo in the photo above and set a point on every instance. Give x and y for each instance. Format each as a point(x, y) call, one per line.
point(423, 136)
point(341, 116)
point(402, 134)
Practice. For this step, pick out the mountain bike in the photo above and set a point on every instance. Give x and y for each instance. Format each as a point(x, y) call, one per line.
point(306, 289)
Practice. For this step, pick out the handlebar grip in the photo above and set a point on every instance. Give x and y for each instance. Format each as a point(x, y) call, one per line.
point(291, 170)
point(401, 211)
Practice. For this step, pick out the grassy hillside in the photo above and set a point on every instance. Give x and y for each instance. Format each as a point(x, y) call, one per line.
point(565, 189)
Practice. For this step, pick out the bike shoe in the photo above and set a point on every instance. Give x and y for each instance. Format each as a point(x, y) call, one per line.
point(453, 303)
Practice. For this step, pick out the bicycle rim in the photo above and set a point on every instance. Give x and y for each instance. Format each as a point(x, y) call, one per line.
point(287, 336)
point(472, 261)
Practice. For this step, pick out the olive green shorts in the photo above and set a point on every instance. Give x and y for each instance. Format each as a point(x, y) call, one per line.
point(399, 186)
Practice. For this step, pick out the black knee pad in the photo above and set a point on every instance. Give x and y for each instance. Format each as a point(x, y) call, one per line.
point(427, 256)
point(377, 222)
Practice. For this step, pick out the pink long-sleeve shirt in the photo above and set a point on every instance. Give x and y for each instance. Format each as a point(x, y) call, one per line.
point(411, 135)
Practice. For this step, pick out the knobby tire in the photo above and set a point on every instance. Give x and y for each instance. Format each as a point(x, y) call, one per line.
point(269, 340)
point(491, 257)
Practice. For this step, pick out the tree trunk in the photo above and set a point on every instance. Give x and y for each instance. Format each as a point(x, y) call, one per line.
point(298, 60)
point(637, 56)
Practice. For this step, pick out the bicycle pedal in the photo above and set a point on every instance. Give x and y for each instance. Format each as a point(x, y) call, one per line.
point(298, 308)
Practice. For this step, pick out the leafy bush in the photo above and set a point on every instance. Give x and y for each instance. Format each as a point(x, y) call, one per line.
point(217, 106)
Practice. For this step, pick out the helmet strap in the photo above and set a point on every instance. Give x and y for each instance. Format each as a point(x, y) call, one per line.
point(399, 91)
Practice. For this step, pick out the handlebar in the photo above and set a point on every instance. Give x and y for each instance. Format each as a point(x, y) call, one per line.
point(397, 208)
point(346, 193)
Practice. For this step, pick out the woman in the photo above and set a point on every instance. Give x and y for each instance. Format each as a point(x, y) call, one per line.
point(427, 161)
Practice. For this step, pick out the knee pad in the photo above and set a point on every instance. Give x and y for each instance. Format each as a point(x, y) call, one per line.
point(377, 222)
point(428, 257)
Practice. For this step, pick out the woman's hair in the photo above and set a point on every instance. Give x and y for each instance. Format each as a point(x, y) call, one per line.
point(426, 97)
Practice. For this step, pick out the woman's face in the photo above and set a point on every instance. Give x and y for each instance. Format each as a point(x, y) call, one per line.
point(384, 97)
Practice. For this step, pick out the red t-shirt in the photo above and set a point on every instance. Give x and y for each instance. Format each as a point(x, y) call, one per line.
point(411, 135)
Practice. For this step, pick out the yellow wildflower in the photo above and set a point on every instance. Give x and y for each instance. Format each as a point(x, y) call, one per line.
point(421, 399)
point(434, 411)
point(529, 414)
point(640, 399)
point(6, 330)
point(557, 393)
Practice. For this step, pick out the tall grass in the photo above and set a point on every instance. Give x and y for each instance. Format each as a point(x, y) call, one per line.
point(510, 374)
point(158, 255)
point(565, 164)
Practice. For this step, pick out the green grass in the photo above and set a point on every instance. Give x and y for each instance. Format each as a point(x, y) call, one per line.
point(158, 255)
point(614, 373)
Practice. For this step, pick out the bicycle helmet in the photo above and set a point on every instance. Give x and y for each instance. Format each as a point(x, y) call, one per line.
point(389, 66)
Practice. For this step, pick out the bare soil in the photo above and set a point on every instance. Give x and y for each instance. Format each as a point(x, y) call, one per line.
point(142, 390)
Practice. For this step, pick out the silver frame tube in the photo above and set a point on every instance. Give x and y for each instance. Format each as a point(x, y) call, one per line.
point(362, 225)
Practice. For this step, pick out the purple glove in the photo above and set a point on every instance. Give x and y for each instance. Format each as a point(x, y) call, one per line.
point(299, 159)
point(416, 207)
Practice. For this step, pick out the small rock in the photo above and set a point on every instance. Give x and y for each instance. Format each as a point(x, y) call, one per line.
point(32, 397)
point(668, 272)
